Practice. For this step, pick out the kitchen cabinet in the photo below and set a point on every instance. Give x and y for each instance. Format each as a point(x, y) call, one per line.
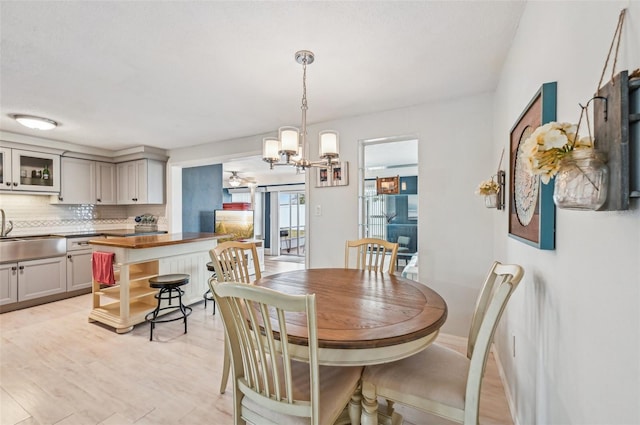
point(78, 181)
point(79, 268)
point(28, 280)
point(106, 183)
point(29, 171)
point(5, 168)
point(79, 272)
point(87, 182)
point(140, 182)
point(8, 283)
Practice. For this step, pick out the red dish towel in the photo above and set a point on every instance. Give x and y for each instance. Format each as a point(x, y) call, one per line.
point(102, 267)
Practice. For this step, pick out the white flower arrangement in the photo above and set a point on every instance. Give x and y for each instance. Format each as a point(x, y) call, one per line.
point(548, 144)
point(488, 187)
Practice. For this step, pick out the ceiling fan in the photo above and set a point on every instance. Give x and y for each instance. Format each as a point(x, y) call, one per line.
point(235, 180)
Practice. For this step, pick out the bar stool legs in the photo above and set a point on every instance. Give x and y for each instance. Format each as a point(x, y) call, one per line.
point(169, 286)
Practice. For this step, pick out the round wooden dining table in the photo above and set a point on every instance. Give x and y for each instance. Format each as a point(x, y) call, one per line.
point(363, 317)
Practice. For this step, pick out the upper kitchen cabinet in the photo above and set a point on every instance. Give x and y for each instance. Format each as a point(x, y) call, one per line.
point(141, 182)
point(106, 183)
point(78, 181)
point(5, 167)
point(29, 171)
point(87, 182)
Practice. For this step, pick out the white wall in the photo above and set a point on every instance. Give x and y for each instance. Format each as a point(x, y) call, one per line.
point(576, 316)
point(455, 229)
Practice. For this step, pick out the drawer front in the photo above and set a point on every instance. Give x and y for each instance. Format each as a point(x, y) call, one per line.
point(77, 244)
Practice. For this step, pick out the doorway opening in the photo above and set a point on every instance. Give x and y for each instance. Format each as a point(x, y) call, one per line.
point(391, 215)
point(292, 209)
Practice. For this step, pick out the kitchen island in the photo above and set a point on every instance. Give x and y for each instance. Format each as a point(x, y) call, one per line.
point(139, 258)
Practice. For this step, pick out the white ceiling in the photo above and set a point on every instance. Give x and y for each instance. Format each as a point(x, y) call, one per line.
point(169, 74)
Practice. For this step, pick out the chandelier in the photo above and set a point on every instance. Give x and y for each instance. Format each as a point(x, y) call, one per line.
point(290, 147)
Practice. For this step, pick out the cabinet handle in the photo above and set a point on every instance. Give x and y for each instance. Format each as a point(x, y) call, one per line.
point(60, 198)
point(8, 183)
point(15, 183)
point(134, 199)
point(99, 200)
point(69, 257)
point(20, 267)
point(14, 268)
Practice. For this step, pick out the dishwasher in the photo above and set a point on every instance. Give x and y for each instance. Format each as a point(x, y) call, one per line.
point(79, 274)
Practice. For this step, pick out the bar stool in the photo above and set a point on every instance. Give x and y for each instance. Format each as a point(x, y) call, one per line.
point(208, 296)
point(169, 285)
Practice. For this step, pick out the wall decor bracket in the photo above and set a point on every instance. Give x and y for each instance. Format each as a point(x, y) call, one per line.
point(616, 131)
point(501, 182)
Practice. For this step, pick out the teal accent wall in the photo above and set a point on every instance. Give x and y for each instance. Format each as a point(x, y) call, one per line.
point(201, 195)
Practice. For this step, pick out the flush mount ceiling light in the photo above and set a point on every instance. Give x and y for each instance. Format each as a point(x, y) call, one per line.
point(290, 148)
point(36, 123)
point(234, 180)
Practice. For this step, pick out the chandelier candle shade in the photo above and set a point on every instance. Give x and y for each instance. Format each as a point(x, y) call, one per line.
point(290, 148)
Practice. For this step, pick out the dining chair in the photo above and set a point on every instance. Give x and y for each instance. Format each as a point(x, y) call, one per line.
point(371, 254)
point(231, 261)
point(269, 385)
point(439, 380)
point(403, 243)
point(231, 264)
point(403, 250)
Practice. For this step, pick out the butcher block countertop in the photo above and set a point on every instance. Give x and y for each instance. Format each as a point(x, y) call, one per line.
point(152, 241)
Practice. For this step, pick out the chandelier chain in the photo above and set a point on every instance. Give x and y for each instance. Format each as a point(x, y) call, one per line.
point(303, 130)
point(304, 83)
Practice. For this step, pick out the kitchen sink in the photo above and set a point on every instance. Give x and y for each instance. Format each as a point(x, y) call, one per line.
point(14, 249)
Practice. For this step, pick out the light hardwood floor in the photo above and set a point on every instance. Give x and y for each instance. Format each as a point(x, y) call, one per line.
point(56, 368)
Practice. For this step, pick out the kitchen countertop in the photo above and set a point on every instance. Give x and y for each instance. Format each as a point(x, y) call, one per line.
point(152, 241)
point(110, 232)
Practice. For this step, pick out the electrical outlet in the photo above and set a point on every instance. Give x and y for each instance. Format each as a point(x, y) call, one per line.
point(318, 210)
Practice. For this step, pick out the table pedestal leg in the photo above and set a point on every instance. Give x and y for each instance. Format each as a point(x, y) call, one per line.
point(355, 406)
point(369, 405)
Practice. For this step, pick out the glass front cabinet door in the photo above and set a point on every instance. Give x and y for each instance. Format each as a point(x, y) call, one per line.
point(30, 171)
point(5, 169)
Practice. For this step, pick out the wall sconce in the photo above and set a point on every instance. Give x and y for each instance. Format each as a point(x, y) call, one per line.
point(493, 191)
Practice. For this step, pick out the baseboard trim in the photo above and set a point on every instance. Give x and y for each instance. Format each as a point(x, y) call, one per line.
point(454, 339)
point(505, 385)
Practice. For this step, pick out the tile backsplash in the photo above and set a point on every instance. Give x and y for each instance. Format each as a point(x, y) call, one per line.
point(36, 214)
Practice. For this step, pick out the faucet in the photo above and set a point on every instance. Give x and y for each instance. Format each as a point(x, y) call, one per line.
point(3, 230)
